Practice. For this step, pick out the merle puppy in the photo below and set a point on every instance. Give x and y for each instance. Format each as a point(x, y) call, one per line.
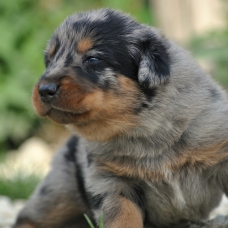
point(150, 146)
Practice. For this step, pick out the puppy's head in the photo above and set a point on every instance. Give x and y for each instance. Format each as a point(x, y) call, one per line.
point(100, 66)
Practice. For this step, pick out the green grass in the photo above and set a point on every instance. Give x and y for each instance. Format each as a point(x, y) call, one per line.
point(101, 224)
point(19, 187)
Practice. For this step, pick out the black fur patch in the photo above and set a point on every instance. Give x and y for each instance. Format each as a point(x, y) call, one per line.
point(70, 156)
point(71, 146)
point(214, 94)
point(157, 52)
point(69, 59)
point(142, 107)
point(44, 190)
point(46, 59)
point(60, 54)
point(86, 74)
point(96, 201)
point(145, 105)
point(137, 196)
point(154, 65)
point(57, 46)
point(81, 184)
point(149, 93)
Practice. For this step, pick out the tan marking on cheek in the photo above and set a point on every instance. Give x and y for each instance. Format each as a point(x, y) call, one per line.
point(105, 129)
point(110, 115)
point(94, 99)
point(84, 45)
point(129, 216)
point(71, 94)
point(112, 111)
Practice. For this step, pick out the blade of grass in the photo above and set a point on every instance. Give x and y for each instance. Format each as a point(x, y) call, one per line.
point(101, 224)
point(89, 221)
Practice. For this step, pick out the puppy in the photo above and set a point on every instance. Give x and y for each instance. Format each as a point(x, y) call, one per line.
point(151, 128)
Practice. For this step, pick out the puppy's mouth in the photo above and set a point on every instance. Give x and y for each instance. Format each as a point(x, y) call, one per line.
point(59, 114)
point(65, 117)
point(52, 107)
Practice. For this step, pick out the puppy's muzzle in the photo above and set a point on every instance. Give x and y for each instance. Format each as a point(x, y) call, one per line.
point(48, 91)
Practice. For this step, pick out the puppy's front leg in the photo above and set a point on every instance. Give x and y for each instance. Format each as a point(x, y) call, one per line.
point(120, 212)
point(120, 200)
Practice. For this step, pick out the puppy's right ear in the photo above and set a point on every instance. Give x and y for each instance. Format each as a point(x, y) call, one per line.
point(154, 66)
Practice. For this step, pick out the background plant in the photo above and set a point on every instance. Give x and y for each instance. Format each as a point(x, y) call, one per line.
point(213, 48)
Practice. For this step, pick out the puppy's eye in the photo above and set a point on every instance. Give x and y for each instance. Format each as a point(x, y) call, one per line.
point(92, 60)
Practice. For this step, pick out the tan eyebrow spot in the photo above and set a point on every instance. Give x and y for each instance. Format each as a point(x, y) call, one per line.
point(84, 45)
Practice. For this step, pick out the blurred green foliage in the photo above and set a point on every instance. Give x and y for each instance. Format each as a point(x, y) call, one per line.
point(19, 187)
point(25, 27)
point(212, 48)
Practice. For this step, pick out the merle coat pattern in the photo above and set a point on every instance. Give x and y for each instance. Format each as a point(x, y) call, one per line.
point(150, 146)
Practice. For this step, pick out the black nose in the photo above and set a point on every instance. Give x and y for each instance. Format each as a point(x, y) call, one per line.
point(48, 91)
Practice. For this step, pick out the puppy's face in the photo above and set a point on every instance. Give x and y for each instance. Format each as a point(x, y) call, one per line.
point(100, 66)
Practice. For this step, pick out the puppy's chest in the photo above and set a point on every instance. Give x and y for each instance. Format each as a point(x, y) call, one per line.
point(168, 191)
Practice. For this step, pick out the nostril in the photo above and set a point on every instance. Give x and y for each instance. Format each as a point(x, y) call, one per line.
point(47, 91)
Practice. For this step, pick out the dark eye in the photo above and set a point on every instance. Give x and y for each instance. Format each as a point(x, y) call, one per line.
point(92, 60)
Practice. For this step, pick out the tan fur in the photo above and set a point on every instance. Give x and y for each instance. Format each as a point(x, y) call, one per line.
point(56, 217)
point(84, 45)
point(129, 170)
point(129, 216)
point(61, 213)
point(110, 114)
point(40, 108)
point(201, 158)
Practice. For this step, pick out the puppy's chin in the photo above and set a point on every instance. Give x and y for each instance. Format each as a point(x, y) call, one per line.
point(60, 115)
point(63, 117)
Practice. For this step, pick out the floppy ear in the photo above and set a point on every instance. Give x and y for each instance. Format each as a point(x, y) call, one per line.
point(154, 66)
